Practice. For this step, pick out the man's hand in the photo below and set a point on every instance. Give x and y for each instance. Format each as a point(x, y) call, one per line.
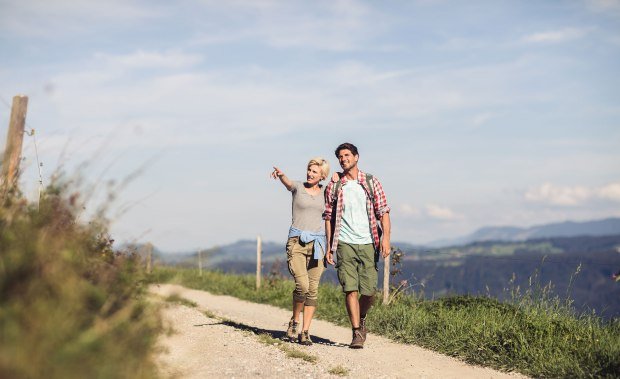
point(385, 247)
point(329, 257)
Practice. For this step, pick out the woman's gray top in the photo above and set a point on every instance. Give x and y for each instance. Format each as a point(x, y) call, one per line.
point(307, 209)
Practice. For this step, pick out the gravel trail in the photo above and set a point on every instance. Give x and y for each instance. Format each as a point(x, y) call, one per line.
point(228, 345)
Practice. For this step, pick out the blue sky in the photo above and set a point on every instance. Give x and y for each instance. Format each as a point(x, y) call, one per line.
point(471, 113)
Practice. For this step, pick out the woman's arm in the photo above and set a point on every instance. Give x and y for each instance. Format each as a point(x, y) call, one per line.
point(278, 174)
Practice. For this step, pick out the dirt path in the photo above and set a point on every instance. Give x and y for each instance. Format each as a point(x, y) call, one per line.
point(228, 345)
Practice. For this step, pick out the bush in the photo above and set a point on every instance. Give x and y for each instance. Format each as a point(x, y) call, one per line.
point(70, 306)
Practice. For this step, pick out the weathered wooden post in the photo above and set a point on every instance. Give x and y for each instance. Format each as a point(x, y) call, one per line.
point(149, 257)
point(14, 140)
point(199, 262)
point(259, 252)
point(386, 279)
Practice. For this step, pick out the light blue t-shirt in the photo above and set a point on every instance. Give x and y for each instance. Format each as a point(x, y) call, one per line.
point(355, 227)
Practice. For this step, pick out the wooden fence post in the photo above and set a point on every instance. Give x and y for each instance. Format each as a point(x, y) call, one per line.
point(259, 251)
point(14, 140)
point(386, 279)
point(199, 262)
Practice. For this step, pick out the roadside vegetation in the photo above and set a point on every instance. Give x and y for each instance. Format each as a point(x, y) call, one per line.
point(70, 305)
point(533, 333)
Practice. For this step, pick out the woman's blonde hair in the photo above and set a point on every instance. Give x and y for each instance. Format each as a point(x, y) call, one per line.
point(322, 163)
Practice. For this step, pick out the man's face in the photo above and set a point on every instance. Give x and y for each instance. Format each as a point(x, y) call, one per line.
point(347, 160)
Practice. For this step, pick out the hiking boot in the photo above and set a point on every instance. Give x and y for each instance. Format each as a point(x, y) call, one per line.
point(304, 338)
point(358, 339)
point(363, 328)
point(292, 331)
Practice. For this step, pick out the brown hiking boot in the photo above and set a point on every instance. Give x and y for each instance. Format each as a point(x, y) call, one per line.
point(358, 339)
point(363, 328)
point(304, 338)
point(292, 332)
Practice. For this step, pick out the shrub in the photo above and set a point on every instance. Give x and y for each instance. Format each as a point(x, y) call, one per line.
point(70, 306)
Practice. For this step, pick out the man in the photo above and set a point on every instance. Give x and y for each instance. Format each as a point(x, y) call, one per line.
point(354, 206)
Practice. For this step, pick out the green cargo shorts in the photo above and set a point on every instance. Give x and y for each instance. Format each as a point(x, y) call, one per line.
point(357, 268)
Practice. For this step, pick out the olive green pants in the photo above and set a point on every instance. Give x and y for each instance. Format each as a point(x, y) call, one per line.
point(305, 270)
point(357, 268)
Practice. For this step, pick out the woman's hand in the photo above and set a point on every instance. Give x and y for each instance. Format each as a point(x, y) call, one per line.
point(277, 173)
point(335, 177)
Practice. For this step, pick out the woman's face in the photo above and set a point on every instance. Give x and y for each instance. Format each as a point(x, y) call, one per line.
point(313, 175)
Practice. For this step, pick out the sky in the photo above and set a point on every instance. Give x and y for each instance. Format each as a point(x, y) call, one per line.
point(471, 114)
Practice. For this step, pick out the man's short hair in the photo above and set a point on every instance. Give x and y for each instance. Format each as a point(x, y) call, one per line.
point(347, 146)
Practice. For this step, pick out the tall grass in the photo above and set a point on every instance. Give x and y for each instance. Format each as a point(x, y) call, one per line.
point(70, 306)
point(533, 333)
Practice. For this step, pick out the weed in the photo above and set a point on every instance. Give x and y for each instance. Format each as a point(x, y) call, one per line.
point(177, 299)
point(339, 370)
point(289, 351)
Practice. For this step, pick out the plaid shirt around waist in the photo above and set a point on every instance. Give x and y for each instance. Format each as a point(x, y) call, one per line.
point(375, 208)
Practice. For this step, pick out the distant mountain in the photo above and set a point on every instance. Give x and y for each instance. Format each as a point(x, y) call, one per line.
point(239, 251)
point(606, 227)
point(245, 250)
point(242, 251)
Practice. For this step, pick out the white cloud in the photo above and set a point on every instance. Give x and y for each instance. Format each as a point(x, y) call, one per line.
point(556, 36)
point(342, 25)
point(482, 118)
point(441, 213)
point(51, 18)
point(408, 210)
point(610, 192)
point(150, 59)
point(572, 196)
point(605, 6)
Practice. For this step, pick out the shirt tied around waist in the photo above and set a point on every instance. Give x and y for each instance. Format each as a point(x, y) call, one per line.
point(320, 241)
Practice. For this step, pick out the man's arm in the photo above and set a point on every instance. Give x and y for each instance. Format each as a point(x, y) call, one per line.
point(382, 212)
point(329, 255)
point(386, 225)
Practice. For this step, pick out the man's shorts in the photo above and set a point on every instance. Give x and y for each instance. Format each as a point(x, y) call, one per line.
point(357, 268)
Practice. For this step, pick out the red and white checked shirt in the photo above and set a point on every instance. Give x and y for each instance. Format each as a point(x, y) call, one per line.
point(375, 209)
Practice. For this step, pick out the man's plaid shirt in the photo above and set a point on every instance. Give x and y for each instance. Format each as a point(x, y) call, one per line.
point(375, 209)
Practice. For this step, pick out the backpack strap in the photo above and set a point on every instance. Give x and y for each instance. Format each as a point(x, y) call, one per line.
point(369, 184)
point(335, 189)
point(371, 187)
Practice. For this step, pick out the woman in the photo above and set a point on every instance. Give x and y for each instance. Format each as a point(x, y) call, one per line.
point(305, 248)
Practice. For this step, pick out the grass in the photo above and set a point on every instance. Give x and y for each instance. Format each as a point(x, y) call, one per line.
point(339, 370)
point(532, 334)
point(177, 299)
point(70, 305)
point(288, 350)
